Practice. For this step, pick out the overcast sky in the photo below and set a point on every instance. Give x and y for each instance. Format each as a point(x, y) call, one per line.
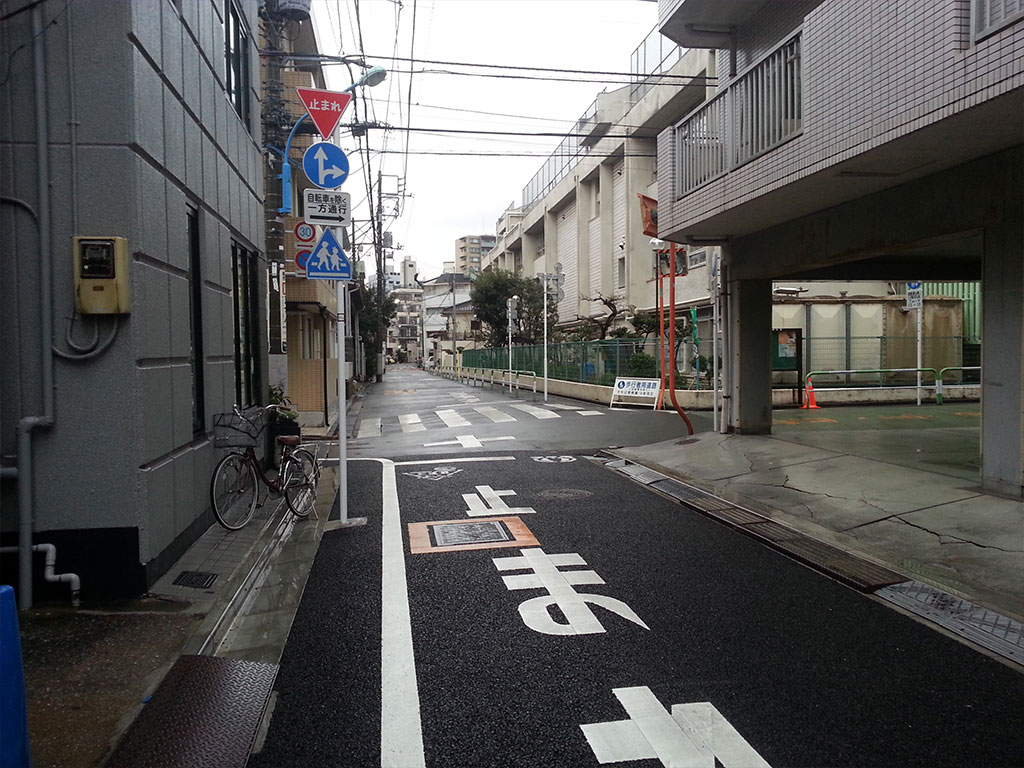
point(453, 196)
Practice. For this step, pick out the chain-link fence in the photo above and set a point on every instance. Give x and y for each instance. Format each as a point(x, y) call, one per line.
point(600, 362)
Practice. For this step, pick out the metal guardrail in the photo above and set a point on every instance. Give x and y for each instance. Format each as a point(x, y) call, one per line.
point(937, 378)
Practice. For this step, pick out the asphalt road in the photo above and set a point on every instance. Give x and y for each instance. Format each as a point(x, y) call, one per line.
point(606, 624)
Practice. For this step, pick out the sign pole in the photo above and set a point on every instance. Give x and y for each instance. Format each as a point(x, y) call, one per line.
point(545, 337)
point(342, 408)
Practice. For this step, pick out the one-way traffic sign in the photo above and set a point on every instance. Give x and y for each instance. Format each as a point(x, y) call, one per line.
point(328, 261)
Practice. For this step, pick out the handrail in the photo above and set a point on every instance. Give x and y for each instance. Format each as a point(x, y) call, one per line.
point(934, 373)
point(939, 384)
point(518, 374)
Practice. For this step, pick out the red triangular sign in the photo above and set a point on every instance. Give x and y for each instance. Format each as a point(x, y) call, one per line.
point(325, 107)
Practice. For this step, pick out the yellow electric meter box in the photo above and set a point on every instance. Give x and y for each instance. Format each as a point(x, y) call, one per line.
point(101, 276)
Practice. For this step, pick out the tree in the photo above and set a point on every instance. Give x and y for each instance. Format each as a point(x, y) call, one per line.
point(489, 294)
point(370, 327)
point(598, 327)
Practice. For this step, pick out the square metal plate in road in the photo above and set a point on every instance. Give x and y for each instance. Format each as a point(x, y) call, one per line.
point(460, 535)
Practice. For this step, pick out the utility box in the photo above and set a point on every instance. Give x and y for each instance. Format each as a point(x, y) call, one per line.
point(101, 275)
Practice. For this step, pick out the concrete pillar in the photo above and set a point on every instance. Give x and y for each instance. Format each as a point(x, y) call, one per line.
point(1002, 354)
point(750, 361)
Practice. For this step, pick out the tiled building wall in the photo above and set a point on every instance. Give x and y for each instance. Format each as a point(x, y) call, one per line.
point(872, 72)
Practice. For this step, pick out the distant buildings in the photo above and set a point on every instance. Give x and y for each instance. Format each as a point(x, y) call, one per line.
point(470, 252)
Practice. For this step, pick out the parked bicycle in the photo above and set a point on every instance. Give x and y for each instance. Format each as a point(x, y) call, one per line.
point(234, 487)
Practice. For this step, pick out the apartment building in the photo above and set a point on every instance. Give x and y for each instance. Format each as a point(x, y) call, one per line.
point(449, 317)
point(581, 212)
point(851, 139)
point(405, 333)
point(133, 284)
point(470, 252)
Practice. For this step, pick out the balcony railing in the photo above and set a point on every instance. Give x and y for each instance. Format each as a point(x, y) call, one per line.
point(755, 113)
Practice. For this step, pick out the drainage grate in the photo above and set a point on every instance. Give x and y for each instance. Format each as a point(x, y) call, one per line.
point(478, 532)
point(842, 566)
point(642, 474)
point(195, 579)
point(770, 530)
point(970, 620)
point(205, 712)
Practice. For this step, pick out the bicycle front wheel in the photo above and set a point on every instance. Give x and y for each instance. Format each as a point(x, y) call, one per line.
point(299, 474)
point(234, 491)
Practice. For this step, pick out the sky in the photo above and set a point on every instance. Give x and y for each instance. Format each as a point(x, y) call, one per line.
point(448, 195)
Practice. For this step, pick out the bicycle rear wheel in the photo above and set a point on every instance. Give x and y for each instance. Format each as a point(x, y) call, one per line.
point(299, 473)
point(308, 462)
point(234, 491)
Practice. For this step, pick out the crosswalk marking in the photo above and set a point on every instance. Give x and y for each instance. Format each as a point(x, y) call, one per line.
point(493, 414)
point(411, 422)
point(369, 428)
point(590, 413)
point(452, 418)
point(533, 410)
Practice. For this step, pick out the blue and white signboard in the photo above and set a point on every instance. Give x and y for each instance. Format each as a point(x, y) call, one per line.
point(325, 165)
point(328, 261)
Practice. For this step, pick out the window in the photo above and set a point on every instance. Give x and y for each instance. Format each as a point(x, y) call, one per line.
point(989, 16)
point(195, 316)
point(246, 304)
point(236, 51)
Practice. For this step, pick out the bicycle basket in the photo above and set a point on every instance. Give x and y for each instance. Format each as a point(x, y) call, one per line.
point(233, 431)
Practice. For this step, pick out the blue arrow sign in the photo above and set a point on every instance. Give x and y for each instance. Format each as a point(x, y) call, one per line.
point(325, 165)
point(328, 261)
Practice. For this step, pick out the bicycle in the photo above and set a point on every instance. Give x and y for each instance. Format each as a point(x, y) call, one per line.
point(234, 487)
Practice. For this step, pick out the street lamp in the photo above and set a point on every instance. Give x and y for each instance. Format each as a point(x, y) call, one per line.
point(373, 76)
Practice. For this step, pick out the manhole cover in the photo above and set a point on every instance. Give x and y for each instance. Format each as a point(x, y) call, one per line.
point(195, 579)
point(484, 532)
point(564, 493)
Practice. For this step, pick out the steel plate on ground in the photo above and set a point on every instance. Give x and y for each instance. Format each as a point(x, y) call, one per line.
point(642, 474)
point(970, 620)
point(205, 712)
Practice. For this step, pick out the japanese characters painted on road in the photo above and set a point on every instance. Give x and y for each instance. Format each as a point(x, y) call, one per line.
point(642, 389)
point(322, 206)
point(325, 165)
point(575, 607)
point(325, 107)
point(694, 734)
point(489, 503)
point(328, 261)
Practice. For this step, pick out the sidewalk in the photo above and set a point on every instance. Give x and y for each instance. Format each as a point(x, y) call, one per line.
point(898, 486)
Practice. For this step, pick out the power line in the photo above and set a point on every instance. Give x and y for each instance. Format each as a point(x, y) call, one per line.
point(521, 134)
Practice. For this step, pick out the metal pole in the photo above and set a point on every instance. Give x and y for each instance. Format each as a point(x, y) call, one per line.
point(714, 343)
point(381, 338)
point(920, 323)
point(342, 408)
point(545, 337)
point(454, 326)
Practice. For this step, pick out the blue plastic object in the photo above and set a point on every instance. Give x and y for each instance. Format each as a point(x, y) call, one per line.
point(14, 749)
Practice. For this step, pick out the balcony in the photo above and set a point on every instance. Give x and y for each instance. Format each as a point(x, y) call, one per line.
point(757, 112)
point(704, 23)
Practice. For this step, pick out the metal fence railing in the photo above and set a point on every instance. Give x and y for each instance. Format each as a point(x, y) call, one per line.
point(600, 362)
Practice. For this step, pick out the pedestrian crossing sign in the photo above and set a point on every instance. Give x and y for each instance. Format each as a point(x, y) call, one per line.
point(328, 261)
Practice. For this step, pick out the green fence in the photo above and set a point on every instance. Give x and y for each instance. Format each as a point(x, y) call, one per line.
point(599, 362)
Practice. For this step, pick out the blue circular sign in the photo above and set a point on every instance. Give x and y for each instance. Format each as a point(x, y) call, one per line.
point(325, 165)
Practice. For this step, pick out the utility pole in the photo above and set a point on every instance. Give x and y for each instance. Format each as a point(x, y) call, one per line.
point(378, 243)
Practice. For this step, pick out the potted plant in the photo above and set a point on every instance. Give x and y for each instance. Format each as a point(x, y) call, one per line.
point(280, 422)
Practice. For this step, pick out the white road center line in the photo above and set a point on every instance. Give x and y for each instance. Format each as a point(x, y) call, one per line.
point(494, 414)
point(452, 418)
point(533, 410)
point(411, 422)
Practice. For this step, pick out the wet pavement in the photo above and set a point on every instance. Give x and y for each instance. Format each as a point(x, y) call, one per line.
point(896, 485)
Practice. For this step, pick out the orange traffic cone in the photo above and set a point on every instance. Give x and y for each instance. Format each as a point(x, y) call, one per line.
point(809, 397)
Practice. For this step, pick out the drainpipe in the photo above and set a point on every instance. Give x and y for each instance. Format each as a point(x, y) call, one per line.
point(71, 579)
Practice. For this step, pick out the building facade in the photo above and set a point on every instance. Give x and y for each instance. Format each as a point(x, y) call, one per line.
point(857, 140)
point(470, 252)
point(135, 126)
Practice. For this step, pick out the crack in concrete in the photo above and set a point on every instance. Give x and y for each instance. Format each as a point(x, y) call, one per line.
point(958, 539)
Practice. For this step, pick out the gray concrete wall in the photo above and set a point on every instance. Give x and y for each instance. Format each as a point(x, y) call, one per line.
point(155, 134)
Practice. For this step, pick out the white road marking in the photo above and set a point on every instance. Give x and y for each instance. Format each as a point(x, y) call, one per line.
point(469, 441)
point(494, 414)
point(533, 410)
point(369, 428)
point(590, 413)
point(692, 736)
point(452, 418)
point(401, 730)
point(561, 407)
point(489, 503)
point(452, 461)
point(411, 423)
